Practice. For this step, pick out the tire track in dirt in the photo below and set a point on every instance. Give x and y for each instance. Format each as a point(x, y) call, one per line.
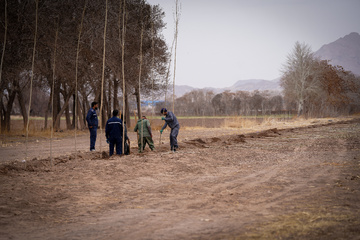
point(229, 188)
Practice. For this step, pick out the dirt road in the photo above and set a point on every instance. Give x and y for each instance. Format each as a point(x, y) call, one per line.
point(296, 183)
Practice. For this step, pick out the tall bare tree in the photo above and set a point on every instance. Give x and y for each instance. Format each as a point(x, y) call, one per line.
point(177, 19)
point(2, 56)
point(298, 80)
point(316, 87)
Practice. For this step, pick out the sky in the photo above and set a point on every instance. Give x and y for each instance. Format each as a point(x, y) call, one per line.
point(223, 41)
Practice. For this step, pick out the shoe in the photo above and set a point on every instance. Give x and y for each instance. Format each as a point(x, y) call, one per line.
point(92, 150)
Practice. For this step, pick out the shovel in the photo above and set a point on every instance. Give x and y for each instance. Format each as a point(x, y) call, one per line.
point(160, 140)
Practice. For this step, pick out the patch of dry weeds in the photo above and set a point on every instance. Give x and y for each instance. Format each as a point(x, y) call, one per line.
point(310, 224)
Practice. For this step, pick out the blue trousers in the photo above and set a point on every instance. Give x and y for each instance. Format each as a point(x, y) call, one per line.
point(93, 131)
point(173, 137)
point(115, 142)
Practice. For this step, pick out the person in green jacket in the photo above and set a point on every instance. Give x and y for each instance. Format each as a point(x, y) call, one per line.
point(144, 134)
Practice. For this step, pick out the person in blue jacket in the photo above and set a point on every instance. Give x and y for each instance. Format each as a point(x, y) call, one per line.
point(92, 121)
point(114, 133)
point(172, 122)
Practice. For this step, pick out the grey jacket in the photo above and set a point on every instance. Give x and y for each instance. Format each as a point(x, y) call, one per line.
point(170, 120)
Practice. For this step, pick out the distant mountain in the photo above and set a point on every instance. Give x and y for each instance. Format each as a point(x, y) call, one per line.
point(180, 90)
point(344, 52)
point(256, 84)
point(241, 85)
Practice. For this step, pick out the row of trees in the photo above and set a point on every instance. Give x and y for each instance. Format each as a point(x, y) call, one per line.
point(311, 87)
point(68, 66)
point(69, 70)
point(316, 88)
point(206, 103)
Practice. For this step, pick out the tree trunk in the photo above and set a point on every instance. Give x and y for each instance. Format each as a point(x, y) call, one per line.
point(97, 92)
point(300, 107)
point(67, 116)
point(7, 112)
point(81, 116)
point(138, 102)
point(127, 112)
point(58, 116)
point(22, 107)
point(109, 99)
point(73, 125)
point(47, 113)
point(116, 93)
point(104, 113)
point(1, 115)
point(85, 105)
point(57, 106)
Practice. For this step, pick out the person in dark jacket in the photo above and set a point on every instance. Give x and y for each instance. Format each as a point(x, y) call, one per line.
point(92, 121)
point(144, 134)
point(114, 133)
point(172, 122)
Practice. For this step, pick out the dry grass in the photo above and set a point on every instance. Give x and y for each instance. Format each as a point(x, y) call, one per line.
point(243, 124)
point(270, 122)
point(299, 225)
point(156, 126)
point(246, 125)
point(239, 122)
point(20, 135)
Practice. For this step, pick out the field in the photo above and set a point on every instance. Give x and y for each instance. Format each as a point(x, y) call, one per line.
point(231, 179)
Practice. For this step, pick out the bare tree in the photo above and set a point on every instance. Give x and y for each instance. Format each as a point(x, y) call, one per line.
point(16, 60)
point(298, 80)
point(2, 60)
point(316, 87)
point(177, 19)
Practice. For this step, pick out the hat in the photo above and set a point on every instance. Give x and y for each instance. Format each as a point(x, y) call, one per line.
point(163, 110)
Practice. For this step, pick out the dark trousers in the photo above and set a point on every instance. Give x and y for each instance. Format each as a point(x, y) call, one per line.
point(173, 137)
point(93, 131)
point(147, 140)
point(115, 142)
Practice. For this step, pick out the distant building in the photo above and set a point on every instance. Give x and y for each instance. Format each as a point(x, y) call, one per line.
point(150, 103)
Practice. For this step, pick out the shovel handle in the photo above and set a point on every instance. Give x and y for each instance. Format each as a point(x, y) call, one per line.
point(160, 140)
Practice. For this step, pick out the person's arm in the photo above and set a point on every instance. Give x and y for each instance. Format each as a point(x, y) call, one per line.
point(107, 130)
point(165, 125)
point(88, 116)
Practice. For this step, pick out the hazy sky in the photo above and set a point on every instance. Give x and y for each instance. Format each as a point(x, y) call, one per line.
point(223, 41)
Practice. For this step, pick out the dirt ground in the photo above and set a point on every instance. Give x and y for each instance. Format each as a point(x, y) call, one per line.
point(275, 181)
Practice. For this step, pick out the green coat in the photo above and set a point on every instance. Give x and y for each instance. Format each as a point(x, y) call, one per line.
point(146, 129)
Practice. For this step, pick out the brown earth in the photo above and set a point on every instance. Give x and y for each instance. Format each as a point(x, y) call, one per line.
point(283, 182)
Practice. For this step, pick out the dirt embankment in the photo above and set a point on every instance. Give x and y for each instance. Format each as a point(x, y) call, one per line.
point(295, 183)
